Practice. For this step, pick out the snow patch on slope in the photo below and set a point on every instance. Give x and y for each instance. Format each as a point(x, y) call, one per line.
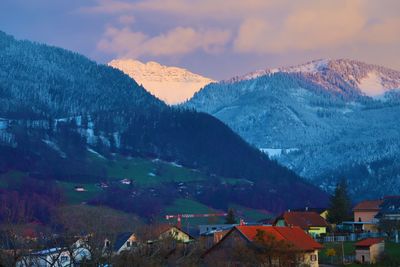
point(372, 85)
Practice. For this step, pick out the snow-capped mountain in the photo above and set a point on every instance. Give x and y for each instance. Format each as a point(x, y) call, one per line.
point(173, 85)
point(370, 80)
point(324, 119)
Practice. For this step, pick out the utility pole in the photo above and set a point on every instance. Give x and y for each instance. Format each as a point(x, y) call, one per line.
point(342, 252)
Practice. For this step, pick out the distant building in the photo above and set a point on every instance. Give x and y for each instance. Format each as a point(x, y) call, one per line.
point(298, 242)
point(126, 181)
point(370, 250)
point(309, 221)
point(80, 189)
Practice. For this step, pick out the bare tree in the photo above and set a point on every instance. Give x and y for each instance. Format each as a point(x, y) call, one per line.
point(95, 225)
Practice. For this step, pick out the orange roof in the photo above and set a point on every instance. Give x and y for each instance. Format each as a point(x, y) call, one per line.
point(294, 235)
point(299, 238)
point(372, 205)
point(369, 242)
point(304, 219)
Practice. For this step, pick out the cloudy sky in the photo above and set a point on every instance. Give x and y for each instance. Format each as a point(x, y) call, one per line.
point(216, 38)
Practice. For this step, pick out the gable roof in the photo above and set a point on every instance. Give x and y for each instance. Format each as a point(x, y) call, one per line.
point(167, 228)
point(368, 205)
point(369, 242)
point(303, 219)
point(293, 235)
point(317, 210)
point(121, 239)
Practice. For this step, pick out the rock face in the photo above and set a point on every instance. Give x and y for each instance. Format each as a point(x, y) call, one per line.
point(171, 84)
point(324, 120)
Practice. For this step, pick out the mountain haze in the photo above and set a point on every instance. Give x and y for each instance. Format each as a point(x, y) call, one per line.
point(325, 119)
point(173, 85)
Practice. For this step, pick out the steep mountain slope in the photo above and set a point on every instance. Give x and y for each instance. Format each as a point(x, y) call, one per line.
point(171, 84)
point(55, 105)
point(324, 120)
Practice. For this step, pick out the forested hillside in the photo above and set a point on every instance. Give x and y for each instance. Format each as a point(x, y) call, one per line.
point(324, 120)
point(55, 105)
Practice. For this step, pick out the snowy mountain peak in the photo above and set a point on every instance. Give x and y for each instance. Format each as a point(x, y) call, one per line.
point(171, 84)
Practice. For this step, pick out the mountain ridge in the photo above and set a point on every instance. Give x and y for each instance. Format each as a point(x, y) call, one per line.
point(56, 105)
point(319, 124)
point(362, 76)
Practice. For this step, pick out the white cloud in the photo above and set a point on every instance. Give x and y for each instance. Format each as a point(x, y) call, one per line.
point(179, 41)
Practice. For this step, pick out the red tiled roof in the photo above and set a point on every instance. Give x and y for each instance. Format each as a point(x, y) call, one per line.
point(369, 242)
point(294, 235)
point(304, 219)
point(368, 205)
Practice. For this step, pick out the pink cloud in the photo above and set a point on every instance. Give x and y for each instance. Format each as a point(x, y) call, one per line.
point(179, 41)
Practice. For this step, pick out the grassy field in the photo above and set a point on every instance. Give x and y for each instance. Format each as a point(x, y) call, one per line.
point(337, 246)
point(145, 172)
point(14, 176)
point(74, 197)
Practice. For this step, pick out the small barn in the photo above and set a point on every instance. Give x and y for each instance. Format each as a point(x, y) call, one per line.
point(370, 250)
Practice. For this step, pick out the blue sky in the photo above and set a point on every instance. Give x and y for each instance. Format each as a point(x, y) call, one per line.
point(216, 38)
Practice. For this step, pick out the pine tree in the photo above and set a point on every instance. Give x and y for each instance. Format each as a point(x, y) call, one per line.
point(230, 217)
point(340, 204)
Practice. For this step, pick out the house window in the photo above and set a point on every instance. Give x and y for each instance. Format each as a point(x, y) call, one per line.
point(313, 257)
point(63, 259)
point(128, 244)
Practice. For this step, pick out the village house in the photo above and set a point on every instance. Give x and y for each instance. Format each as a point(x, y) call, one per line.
point(370, 250)
point(364, 216)
point(304, 247)
point(59, 256)
point(123, 242)
point(389, 209)
point(366, 211)
point(309, 221)
point(175, 233)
